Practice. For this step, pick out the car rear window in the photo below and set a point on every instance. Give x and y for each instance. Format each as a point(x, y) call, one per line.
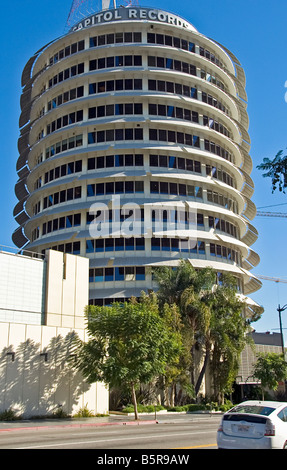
point(244, 417)
point(253, 409)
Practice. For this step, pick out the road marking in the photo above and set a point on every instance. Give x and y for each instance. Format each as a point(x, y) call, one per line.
point(196, 447)
point(139, 438)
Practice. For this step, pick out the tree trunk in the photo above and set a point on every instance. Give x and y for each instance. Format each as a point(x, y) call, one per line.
point(134, 399)
point(202, 372)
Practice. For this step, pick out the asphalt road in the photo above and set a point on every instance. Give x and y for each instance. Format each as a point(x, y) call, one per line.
point(183, 432)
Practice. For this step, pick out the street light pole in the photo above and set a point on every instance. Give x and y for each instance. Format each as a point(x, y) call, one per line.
point(280, 310)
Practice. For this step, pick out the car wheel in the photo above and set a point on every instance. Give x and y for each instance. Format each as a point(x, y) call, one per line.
point(285, 446)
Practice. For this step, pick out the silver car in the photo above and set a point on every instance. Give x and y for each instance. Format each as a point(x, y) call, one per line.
point(254, 425)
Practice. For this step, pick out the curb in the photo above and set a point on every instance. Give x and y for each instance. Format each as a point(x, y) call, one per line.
point(79, 425)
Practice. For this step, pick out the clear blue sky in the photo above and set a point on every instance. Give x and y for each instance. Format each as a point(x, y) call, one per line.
point(254, 30)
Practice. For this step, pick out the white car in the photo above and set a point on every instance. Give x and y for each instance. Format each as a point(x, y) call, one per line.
point(254, 425)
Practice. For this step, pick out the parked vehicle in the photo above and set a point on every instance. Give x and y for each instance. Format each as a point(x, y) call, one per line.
point(254, 425)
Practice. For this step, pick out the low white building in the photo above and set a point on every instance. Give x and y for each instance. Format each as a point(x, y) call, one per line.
point(42, 301)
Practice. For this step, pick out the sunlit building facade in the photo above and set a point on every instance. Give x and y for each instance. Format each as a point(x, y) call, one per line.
point(134, 152)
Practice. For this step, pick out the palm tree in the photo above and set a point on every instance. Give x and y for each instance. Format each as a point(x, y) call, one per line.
point(214, 315)
point(187, 289)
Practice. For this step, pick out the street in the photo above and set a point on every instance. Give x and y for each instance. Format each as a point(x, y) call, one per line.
point(183, 432)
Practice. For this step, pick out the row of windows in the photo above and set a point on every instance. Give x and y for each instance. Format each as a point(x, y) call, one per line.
point(163, 219)
point(134, 61)
point(184, 67)
point(154, 85)
point(172, 162)
point(117, 61)
point(59, 172)
point(115, 244)
point(168, 245)
point(176, 189)
point(127, 273)
point(64, 121)
point(186, 114)
point(115, 110)
point(137, 109)
point(180, 245)
point(62, 146)
point(162, 135)
point(72, 220)
point(62, 196)
point(212, 147)
point(222, 252)
point(134, 187)
point(172, 41)
point(219, 174)
point(66, 97)
point(117, 38)
point(67, 51)
point(110, 135)
point(74, 248)
point(115, 85)
point(223, 225)
point(120, 187)
point(223, 201)
point(162, 244)
point(173, 111)
point(132, 84)
point(115, 161)
point(179, 43)
point(160, 218)
point(66, 74)
point(133, 37)
point(111, 161)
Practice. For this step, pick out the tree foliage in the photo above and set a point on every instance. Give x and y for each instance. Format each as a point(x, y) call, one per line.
point(213, 314)
point(270, 368)
point(276, 169)
point(129, 344)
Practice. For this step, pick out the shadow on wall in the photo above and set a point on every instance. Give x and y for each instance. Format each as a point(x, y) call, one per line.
point(38, 382)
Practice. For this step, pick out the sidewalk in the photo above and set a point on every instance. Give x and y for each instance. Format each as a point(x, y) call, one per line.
point(112, 420)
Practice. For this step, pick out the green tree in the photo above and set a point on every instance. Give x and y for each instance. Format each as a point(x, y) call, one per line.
point(214, 315)
point(276, 169)
point(129, 344)
point(227, 335)
point(270, 368)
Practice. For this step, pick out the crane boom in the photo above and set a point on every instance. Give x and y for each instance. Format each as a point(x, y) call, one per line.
point(271, 214)
point(275, 279)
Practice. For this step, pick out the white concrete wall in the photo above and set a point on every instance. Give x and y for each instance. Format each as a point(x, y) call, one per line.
point(67, 290)
point(22, 281)
point(34, 387)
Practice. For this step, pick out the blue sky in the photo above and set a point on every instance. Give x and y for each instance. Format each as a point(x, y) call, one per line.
point(254, 30)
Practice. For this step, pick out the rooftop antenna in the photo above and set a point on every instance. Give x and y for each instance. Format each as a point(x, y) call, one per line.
point(82, 8)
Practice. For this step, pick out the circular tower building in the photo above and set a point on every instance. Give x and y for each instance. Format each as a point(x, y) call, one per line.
point(134, 152)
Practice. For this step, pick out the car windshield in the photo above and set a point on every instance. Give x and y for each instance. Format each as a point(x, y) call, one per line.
point(253, 409)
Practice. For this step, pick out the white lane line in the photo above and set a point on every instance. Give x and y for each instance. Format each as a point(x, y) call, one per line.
point(139, 438)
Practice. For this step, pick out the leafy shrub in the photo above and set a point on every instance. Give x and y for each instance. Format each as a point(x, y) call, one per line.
point(143, 408)
point(84, 413)
point(9, 415)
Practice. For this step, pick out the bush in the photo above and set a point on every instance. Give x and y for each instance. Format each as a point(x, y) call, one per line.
point(9, 415)
point(197, 407)
point(193, 407)
point(84, 413)
point(143, 408)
